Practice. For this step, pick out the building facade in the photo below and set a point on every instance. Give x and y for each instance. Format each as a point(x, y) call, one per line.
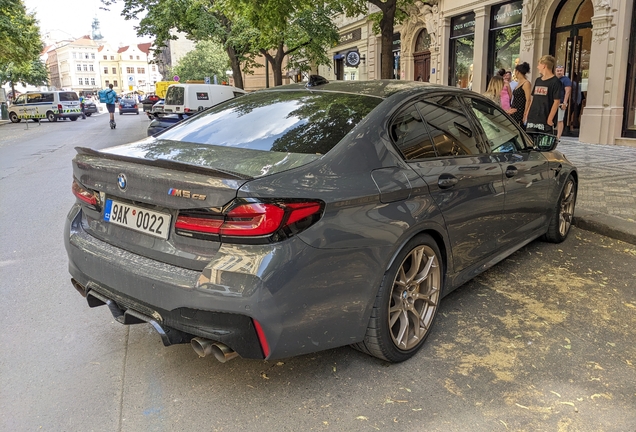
point(463, 43)
point(128, 68)
point(74, 66)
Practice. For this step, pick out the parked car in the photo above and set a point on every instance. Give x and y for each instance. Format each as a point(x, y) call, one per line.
point(190, 98)
point(161, 122)
point(90, 107)
point(128, 106)
point(298, 219)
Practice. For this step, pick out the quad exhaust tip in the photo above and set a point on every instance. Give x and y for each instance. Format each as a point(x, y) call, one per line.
point(204, 347)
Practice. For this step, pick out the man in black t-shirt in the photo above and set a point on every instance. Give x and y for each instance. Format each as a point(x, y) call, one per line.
point(546, 96)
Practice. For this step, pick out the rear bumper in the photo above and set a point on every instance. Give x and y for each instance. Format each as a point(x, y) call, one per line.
point(129, 110)
point(305, 299)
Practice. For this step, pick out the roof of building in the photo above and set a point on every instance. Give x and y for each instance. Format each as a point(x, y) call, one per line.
point(145, 47)
point(123, 49)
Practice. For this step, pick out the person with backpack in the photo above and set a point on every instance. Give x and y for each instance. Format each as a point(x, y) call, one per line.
point(109, 97)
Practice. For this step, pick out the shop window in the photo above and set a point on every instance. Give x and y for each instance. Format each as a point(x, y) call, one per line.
point(504, 37)
point(397, 51)
point(462, 51)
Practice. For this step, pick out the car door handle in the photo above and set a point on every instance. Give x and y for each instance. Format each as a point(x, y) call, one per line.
point(447, 181)
point(511, 171)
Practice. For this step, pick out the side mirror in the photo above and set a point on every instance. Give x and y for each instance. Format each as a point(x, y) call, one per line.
point(544, 142)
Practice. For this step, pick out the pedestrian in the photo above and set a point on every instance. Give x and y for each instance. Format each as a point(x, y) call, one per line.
point(81, 99)
point(545, 99)
point(506, 93)
point(495, 88)
point(566, 90)
point(512, 83)
point(521, 94)
point(111, 98)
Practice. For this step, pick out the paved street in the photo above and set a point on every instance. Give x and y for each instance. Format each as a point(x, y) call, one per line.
point(542, 341)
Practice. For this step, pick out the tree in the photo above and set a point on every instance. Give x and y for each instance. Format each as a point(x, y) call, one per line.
point(207, 59)
point(300, 30)
point(200, 20)
point(19, 34)
point(33, 73)
point(392, 13)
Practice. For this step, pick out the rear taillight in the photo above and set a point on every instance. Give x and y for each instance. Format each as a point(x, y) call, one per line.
point(59, 108)
point(267, 221)
point(83, 194)
point(187, 110)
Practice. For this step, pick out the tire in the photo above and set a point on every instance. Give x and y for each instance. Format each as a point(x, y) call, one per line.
point(73, 118)
point(89, 114)
point(50, 116)
point(14, 117)
point(391, 335)
point(561, 220)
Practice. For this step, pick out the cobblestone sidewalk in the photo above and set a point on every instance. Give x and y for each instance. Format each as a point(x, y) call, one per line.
point(607, 177)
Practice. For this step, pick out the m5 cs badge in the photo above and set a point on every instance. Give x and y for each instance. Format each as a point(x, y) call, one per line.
point(186, 194)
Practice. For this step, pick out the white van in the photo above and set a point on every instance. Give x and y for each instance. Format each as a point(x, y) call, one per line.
point(190, 98)
point(51, 105)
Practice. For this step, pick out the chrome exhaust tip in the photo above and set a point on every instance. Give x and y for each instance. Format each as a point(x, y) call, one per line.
point(79, 287)
point(204, 347)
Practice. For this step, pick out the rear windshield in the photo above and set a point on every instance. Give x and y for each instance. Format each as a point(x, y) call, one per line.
point(285, 121)
point(68, 96)
point(175, 96)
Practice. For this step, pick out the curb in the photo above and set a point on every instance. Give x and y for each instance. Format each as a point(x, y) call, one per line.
point(609, 226)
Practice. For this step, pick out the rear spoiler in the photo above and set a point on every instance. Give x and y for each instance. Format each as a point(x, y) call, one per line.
point(165, 163)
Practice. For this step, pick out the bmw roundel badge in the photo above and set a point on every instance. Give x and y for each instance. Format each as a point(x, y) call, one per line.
point(121, 181)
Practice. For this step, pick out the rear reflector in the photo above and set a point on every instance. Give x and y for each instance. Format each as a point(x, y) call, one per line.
point(261, 337)
point(83, 194)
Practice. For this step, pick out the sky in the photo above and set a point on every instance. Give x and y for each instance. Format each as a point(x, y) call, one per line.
point(75, 17)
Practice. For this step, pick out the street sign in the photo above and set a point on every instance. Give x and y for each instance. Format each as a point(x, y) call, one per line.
point(175, 78)
point(131, 79)
point(130, 87)
point(206, 80)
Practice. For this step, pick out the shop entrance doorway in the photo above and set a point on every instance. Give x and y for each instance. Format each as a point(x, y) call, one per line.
point(629, 120)
point(422, 57)
point(571, 43)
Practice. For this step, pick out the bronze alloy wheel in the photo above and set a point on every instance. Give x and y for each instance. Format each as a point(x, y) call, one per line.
point(414, 297)
point(566, 212)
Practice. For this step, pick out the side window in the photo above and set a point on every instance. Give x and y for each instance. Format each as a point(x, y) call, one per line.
point(410, 134)
point(20, 100)
point(48, 97)
point(450, 129)
point(34, 98)
point(503, 136)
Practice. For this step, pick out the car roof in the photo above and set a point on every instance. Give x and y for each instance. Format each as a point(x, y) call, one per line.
point(376, 88)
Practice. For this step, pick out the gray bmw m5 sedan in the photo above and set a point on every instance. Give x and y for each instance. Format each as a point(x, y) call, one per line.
point(308, 217)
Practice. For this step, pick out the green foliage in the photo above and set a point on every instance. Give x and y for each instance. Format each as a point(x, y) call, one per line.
point(300, 30)
point(31, 73)
point(207, 59)
point(19, 34)
point(200, 20)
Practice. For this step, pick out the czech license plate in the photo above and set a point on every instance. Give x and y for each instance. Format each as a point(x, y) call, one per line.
point(139, 219)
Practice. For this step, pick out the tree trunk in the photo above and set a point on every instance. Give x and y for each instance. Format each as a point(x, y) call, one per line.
point(387, 25)
point(277, 63)
point(237, 74)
